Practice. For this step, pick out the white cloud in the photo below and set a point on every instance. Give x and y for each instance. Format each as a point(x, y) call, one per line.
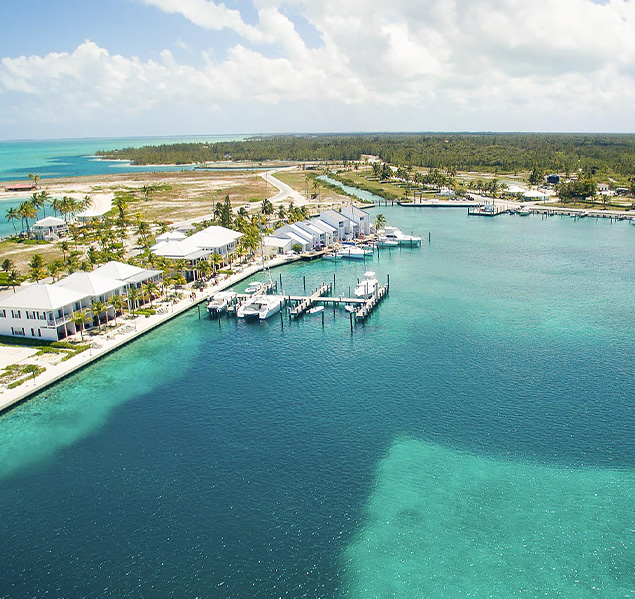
point(470, 64)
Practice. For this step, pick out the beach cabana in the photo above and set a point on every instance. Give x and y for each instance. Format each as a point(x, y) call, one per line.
point(50, 228)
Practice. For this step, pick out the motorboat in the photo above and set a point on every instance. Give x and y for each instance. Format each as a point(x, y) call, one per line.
point(316, 309)
point(255, 287)
point(384, 242)
point(350, 308)
point(260, 307)
point(367, 286)
point(394, 234)
point(332, 256)
point(219, 302)
point(522, 211)
point(352, 252)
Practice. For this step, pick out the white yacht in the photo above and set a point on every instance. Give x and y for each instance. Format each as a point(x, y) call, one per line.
point(260, 307)
point(394, 234)
point(384, 242)
point(353, 252)
point(367, 286)
point(254, 288)
point(219, 302)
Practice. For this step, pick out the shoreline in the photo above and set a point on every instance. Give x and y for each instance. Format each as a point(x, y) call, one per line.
point(11, 398)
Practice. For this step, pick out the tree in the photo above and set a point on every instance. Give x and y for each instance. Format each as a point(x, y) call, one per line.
point(34, 178)
point(79, 318)
point(121, 205)
point(133, 297)
point(150, 288)
point(37, 201)
point(55, 268)
point(226, 213)
point(27, 211)
point(576, 190)
point(297, 248)
point(12, 215)
point(7, 265)
point(13, 279)
point(267, 207)
point(36, 265)
point(118, 303)
point(98, 307)
point(380, 221)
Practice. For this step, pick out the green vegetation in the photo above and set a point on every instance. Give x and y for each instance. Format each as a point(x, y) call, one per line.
point(485, 152)
point(16, 374)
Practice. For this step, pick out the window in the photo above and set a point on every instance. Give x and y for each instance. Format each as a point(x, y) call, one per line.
point(3, 314)
point(16, 331)
point(16, 314)
point(42, 315)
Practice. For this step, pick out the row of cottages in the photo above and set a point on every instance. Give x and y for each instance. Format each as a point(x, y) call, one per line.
point(175, 245)
point(45, 311)
point(322, 231)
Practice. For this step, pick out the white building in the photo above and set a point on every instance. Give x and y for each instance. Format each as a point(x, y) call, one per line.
point(358, 216)
point(318, 234)
point(274, 245)
point(329, 230)
point(309, 240)
point(41, 311)
point(50, 228)
point(344, 226)
point(131, 276)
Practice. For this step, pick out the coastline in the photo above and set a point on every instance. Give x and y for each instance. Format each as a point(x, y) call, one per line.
point(10, 398)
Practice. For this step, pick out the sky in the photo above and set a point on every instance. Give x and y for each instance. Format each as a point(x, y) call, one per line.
point(111, 68)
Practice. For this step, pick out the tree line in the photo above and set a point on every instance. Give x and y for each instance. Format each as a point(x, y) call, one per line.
point(504, 152)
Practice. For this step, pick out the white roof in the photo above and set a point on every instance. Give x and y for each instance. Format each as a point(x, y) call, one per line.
point(354, 211)
point(118, 270)
point(179, 250)
point(276, 242)
point(515, 189)
point(324, 226)
point(43, 297)
point(49, 221)
point(535, 194)
point(171, 236)
point(297, 238)
point(214, 237)
point(90, 283)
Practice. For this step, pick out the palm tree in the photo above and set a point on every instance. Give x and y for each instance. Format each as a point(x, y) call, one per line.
point(36, 264)
point(13, 214)
point(7, 265)
point(13, 279)
point(55, 268)
point(150, 289)
point(79, 318)
point(119, 303)
point(380, 221)
point(98, 307)
point(133, 296)
point(37, 201)
point(27, 211)
point(64, 246)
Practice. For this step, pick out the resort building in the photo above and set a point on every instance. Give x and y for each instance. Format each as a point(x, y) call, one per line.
point(46, 311)
point(41, 311)
point(131, 276)
point(218, 240)
point(318, 235)
point(359, 217)
point(304, 238)
point(329, 230)
point(274, 245)
point(50, 228)
point(344, 226)
point(201, 245)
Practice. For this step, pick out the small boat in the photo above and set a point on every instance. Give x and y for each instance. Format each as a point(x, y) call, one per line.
point(632, 221)
point(260, 307)
point(384, 242)
point(367, 286)
point(316, 309)
point(254, 288)
point(522, 211)
point(394, 234)
point(351, 252)
point(349, 308)
point(332, 256)
point(219, 302)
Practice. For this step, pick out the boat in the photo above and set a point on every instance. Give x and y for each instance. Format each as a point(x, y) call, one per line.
point(352, 252)
point(384, 242)
point(522, 211)
point(260, 307)
point(255, 288)
point(632, 221)
point(332, 256)
point(219, 302)
point(350, 308)
point(316, 309)
point(394, 234)
point(367, 286)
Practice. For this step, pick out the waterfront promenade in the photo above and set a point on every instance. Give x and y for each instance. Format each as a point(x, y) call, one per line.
point(127, 331)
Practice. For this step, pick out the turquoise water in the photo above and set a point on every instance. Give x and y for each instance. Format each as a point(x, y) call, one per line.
point(75, 157)
point(473, 438)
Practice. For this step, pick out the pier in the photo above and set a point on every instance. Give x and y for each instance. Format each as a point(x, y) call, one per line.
point(306, 303)
point(368, 305)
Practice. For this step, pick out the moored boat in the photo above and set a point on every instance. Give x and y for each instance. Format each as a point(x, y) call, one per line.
point(352, 252)
point(260, 307)
point(394, 234)
point(219, 302)
point(367, 286)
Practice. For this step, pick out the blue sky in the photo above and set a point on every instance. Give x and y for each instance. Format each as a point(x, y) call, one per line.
point(169, 67)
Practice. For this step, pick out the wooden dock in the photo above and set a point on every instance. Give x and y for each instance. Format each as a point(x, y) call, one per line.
point(368, 305)
point(304, 303)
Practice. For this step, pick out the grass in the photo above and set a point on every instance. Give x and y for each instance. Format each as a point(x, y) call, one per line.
point(363, 180)
point(15, 374)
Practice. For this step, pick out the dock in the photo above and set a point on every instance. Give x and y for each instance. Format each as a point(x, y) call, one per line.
point(304, 303)
point(368, 305)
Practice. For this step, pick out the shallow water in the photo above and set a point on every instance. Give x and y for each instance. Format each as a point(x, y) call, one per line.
point(486, 408)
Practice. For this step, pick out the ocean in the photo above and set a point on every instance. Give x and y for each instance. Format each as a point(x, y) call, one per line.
point(76, 157)
point(474, 438)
